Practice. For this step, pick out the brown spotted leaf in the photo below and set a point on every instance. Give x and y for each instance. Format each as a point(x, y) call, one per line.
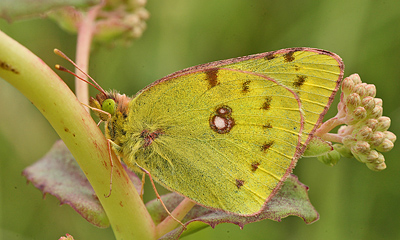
point(58, 174)
point(292, 199)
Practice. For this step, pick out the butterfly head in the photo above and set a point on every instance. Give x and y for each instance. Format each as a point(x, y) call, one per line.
point(111, 103)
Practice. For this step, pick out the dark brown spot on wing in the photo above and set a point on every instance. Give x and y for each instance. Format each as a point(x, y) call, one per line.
point(212, 77)
point(267, 104)
point(300, 80)
point(254, 166)
point(245, 86)
point(267, 126)
point(221, 121)
point(270, 56)
point(289, 56)
point(266, 146)
point(239, 183)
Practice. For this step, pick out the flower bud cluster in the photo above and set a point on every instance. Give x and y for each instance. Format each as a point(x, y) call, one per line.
point(117, 20)
point(366, 133)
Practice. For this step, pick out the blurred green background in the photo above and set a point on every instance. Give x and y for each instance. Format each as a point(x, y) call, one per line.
point(353, 201)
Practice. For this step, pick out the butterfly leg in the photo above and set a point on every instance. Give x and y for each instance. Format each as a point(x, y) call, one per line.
point(109, 142)
point(112, 166)
point(159, 198)
point(99, 112)
point(98, 124)
point(143, 181)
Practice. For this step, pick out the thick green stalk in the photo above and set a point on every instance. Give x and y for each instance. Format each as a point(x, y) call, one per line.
point(26, 72)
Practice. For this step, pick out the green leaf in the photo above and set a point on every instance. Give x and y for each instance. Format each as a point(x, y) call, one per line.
point(317, 147)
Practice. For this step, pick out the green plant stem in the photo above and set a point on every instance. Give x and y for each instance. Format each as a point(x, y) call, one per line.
point(27, 73)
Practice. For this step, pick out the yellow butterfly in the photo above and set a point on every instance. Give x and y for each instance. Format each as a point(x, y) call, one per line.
point(225, 134)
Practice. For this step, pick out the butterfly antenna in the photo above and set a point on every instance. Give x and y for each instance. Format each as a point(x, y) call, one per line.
point(61, 68)
point(95, 85)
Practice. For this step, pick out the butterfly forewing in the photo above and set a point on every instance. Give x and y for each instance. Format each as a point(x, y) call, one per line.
point(314, 74)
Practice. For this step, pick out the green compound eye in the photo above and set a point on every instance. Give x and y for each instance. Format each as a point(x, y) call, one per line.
point(109, 106)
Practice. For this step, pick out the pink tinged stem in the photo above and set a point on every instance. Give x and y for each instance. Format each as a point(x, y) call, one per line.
point(179, 212)
point(327, 126)
point(85, 36)
point(332, 137)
